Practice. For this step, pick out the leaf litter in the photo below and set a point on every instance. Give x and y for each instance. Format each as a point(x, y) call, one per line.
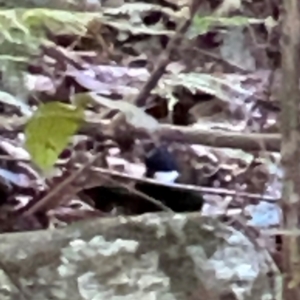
point(211, 83)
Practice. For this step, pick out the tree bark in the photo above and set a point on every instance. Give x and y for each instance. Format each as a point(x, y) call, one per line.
point(290, 147)
point(153, 256)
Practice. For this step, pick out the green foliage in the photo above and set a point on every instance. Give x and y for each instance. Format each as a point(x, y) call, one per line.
point(22, 31)
point(58, 21)
point(48, 131)
point(17, 43)
point(202, 25)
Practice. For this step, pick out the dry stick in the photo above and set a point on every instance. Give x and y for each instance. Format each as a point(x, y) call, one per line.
point(53, 198)
point(164, 59)
point(136, 192)
point(50, 197)
point(184, 187)
point(213, 138)
point(189, 135)
point(187, 187)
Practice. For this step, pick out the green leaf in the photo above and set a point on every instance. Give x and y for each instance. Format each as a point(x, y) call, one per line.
point(202, 25)
point(48, 131)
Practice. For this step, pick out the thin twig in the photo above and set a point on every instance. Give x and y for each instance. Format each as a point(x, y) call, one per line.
point(55, 197)
point(135, 192)
point(44, 202)
point(185, 187)
point(164, 59)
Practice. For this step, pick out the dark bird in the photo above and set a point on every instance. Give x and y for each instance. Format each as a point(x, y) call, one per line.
point(160, 165)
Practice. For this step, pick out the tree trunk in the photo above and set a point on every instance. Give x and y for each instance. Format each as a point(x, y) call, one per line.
point(153, 256)
point(290, 148)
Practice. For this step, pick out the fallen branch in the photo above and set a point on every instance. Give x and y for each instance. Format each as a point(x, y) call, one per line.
point(189, 135)
point(155, 255)
point(83, 178)
point(225, 139)
point(164, 58)
point(89, 177)
point(220, 139)
point(96, 173)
